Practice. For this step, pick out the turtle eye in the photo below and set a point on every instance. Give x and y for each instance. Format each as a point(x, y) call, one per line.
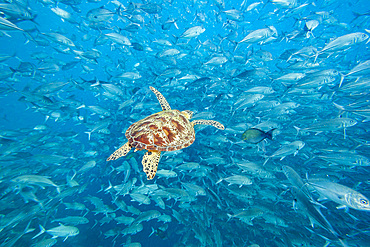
point(364, 202)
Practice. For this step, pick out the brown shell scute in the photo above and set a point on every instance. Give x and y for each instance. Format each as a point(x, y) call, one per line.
point(163, 131)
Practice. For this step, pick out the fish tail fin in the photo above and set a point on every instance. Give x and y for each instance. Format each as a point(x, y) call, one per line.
point(236, 46)
point(176, 39)
point(344, 244)
point(297, 129)
point(290, 57)
point(85, 213)
point(307, 161)
point(175, 24)
point(153, 231)
point(13, 70)
point(109, 186)
point(316, 55)
point(97, 83)
point(264, 5)
point(341, 79)
point(41, 204)
point(356, 14)
point(219, 181)
point(27, 229)
point(89, 134)
point(340, 107)
point(269, 133)
point(118, 10)
point(353, 217)
point(229, 217)
point(42, 230)
point(74, 174)
point(113, 169)
point(81, 106)
point(96, 222)
point(266, 160)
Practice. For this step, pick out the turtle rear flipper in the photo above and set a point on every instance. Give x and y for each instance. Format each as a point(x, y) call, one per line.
point(209, 122)
point(162, 100)
point(150, 163)
point(122, 151)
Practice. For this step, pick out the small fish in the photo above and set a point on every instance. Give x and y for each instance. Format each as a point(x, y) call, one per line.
point(65, 15)
point(192, 32)
point(248, 215)
point(237, 179)
point(216, 61)
point(341, 194)
point(160, 232)
point(311, 211)
point(99, 15)
point(255, 136)
point(124, 220)
point(295, 179)
point(258, 35)
point(41, 181)
point(118, 39)
point(310, 26)
point(60, 39)
point(72, 220)
point(7, 25)
point(288, 149)
point(45, 243)
point(329, 125)
point(167, 24)
point(343, 42)
point(234, 14)
point(60, 231)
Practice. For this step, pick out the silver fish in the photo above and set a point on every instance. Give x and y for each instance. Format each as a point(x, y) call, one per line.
point(311, 211)
point(329, 125)
point(60, 231)
point(343, 42)
point(8, 26)
point(288, 149)
point(193, 32)
point(340, 194)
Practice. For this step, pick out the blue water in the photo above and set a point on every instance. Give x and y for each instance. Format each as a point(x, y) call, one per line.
point(24, 111)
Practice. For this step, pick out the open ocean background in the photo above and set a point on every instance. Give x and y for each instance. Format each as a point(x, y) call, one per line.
point(63, 106)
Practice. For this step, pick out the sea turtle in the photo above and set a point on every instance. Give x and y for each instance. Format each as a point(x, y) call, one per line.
point(167, 130)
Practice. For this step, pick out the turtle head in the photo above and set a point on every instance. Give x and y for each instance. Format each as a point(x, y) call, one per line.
point(188, 114)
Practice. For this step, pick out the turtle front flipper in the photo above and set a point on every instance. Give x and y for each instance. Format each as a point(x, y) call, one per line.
point(150, 163)
point(209, 122)
point(122, 151)
point(162, 100)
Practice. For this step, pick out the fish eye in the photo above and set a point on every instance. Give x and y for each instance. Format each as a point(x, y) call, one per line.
point(364, 202)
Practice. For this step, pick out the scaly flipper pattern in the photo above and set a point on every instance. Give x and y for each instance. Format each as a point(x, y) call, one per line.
point(162, 100)
point(122, 151)
point(209, 122)
point(150, 163)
